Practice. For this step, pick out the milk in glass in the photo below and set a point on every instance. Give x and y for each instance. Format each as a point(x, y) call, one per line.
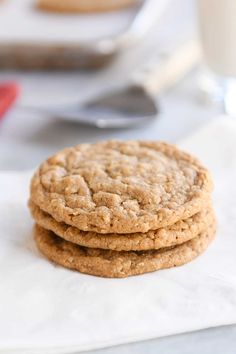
point(217, 20)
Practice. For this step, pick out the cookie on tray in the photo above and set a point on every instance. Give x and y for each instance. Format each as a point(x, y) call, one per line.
point(121, 186)
point(115, 264)
point(175, 234)
point(83, 6)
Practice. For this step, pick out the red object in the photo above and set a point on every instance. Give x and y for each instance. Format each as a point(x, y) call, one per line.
point(9, 91)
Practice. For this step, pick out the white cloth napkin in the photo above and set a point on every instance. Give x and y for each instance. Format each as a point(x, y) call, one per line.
point(47, 309)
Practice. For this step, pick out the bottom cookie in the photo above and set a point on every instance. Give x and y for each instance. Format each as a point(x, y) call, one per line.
point(114, 264)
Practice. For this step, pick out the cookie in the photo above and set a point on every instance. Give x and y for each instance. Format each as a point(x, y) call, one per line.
point(121, 186)
point(113, 264)
point(175, 234)
point(83, 6)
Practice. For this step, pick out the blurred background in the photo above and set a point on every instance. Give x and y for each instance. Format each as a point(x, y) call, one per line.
point(56, 59)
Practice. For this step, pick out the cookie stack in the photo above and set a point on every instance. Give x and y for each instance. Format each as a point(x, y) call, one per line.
point(116, 209)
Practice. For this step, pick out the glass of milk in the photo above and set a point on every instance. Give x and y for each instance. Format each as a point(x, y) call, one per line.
point(217, 22)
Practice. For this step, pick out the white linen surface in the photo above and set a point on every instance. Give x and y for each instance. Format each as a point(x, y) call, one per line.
point(46, 308)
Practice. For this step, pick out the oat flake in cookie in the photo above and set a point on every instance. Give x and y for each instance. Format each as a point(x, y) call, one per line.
point(121, 187)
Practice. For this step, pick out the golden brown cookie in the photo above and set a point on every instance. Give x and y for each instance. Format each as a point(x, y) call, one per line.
point(115, 264)
point(175, 234)
point(121, 186)
point(83, 6)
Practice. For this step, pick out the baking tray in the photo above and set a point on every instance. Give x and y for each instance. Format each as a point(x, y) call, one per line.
point(31, 39)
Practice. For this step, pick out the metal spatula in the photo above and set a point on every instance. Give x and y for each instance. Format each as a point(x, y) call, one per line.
point(134, 104)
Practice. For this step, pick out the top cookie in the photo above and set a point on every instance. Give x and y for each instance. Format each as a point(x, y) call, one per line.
point(121, 186)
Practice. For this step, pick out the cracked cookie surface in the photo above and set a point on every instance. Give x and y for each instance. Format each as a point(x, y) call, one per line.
point(121, 186)
point(115, 264)
point(175, 234)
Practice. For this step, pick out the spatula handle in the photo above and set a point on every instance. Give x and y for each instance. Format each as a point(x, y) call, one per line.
point(161, 74)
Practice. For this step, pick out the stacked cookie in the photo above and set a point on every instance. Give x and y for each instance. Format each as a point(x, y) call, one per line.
point(116, 208)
